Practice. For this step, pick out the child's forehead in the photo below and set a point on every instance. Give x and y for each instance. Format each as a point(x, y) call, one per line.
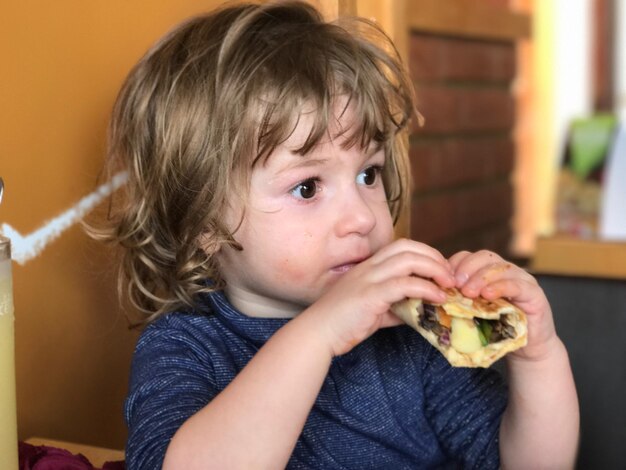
point(342, 121)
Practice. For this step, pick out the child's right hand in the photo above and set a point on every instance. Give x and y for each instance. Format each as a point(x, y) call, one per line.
point(358, 303)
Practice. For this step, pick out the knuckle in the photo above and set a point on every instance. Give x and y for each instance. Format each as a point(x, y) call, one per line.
point(404, 242)
point(461, 254)
point(495, 267)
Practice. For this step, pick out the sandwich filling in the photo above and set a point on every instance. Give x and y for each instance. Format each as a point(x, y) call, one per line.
point(464, 334)
point(468, 332)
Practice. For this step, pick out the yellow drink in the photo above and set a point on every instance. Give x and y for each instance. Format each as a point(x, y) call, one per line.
point(8, 415)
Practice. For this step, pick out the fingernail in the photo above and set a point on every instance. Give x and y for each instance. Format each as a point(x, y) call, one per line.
point(461, 279)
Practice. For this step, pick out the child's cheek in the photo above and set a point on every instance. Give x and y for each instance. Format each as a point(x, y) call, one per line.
point(291, 271)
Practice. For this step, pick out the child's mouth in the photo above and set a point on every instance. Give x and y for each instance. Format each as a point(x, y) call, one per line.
point(344, 268)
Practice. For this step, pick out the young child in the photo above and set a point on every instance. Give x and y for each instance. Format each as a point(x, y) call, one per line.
point(265, 173)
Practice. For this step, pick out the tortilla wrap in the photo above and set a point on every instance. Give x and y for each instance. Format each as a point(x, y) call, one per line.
point(411, 311)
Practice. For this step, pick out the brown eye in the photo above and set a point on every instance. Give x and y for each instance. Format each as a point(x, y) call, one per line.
point(369, 175)
point(305, 190)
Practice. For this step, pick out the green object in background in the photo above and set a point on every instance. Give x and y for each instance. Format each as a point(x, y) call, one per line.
point(590, 141)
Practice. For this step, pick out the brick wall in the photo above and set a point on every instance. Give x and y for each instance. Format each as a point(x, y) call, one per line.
point(462, 158)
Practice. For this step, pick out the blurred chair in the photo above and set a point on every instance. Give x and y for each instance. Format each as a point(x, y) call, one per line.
point(590, 315)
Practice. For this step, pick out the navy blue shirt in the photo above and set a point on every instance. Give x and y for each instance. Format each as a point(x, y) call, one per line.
point(393, 402)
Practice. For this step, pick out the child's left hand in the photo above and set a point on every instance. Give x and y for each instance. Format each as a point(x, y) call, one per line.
point(486, 274)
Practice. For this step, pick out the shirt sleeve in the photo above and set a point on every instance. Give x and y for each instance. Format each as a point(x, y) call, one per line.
point(171, 379)
point(465, 407)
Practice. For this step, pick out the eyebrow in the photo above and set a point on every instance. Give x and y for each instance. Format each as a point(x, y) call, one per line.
point(306, 161)
point(303, 162)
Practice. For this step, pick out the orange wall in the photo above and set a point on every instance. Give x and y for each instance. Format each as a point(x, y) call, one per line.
point(62, 64)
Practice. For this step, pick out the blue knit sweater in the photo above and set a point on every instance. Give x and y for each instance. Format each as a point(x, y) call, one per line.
point(393, 402)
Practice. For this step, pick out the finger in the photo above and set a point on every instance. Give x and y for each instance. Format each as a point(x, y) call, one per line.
point(469, 264)
point(503, 288)
point(411, 287)
point(487, 275)
point(455, 260)
point(492, 273)
point(404, 245)
point(521, 292)
point(390, 319)
point(473, 261)
point(412, 264)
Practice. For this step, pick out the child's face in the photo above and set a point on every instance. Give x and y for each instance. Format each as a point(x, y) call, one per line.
point(308, 220)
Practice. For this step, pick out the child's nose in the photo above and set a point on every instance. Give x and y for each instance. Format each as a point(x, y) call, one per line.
point(356, 216)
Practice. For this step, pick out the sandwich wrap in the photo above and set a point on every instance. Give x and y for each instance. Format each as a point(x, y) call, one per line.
point(468, 332)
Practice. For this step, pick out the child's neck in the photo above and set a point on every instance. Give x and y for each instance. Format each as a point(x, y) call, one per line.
point(255, 305)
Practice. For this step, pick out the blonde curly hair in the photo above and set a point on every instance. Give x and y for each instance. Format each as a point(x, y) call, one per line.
point(211, 100)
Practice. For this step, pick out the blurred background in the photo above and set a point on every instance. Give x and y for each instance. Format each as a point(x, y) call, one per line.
point(520, 153)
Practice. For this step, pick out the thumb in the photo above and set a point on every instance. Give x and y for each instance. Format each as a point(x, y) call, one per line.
point(390, 319)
